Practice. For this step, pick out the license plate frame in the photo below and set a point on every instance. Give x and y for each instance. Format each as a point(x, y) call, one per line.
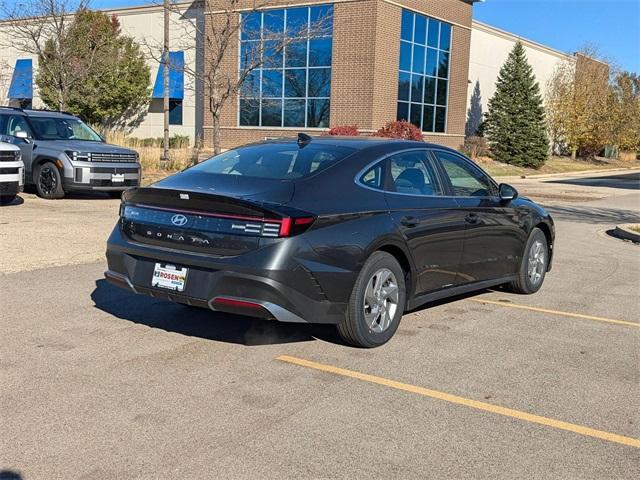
point(169, 277)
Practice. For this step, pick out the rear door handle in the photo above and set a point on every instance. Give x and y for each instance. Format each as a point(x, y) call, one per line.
point(471, 218)
point(409, 222)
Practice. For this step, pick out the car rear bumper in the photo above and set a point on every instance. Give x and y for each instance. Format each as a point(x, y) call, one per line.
point(287, 294)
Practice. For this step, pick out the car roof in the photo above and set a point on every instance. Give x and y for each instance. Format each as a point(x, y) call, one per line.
point(357, 142)
point(35, 112)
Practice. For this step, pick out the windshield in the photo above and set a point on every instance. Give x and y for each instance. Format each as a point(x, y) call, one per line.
point(52, 128)
point(280, 161)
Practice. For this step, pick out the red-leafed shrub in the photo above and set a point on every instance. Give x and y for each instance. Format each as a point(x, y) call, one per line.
point(344, 130)
point(400, 129)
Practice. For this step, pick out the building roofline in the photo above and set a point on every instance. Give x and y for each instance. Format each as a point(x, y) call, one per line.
point(475, 24)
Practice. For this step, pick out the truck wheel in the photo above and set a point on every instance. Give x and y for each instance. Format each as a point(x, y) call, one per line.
point(377, 303)
point(49, 181)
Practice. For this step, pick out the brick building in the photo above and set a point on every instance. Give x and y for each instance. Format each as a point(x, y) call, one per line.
point(373, 61)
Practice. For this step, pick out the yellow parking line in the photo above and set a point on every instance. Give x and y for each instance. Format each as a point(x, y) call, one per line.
point(557, 312)
point(467, 402)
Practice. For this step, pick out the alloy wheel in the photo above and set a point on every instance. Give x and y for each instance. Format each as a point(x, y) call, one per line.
point(381, 300)
point(537, 262)
point(47, 181)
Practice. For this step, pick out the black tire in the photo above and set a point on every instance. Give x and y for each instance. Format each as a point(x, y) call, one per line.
point(7, 199)
point(354, 329)
point(524, 284)
point(48, 181)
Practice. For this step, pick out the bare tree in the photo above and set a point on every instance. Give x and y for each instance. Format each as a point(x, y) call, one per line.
point(38, 27)
point(5, 77)
point(220, 76)
point(577, 103)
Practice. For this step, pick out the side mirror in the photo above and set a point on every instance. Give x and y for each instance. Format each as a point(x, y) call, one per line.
point(22, 135)
point(507, 192)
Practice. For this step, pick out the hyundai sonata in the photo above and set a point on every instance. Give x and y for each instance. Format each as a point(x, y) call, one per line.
point(345, 231)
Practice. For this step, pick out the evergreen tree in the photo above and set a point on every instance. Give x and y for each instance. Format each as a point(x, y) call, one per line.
point(515, 123)
point(108, 77)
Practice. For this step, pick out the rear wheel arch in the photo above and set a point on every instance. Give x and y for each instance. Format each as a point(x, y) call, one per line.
point(403, 259)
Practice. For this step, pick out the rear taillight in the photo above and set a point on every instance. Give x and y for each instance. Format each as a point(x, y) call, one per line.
point(293, 226)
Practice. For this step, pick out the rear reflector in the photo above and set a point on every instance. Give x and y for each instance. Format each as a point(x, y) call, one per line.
point(232, 302)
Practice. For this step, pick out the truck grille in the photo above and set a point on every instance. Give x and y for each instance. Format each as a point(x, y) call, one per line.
point(8, 156)
point(114, 157)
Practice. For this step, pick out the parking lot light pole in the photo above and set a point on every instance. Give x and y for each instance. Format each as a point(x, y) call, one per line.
point(165, 95)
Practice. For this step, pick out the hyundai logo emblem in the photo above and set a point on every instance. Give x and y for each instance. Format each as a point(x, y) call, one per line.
point(179, 220)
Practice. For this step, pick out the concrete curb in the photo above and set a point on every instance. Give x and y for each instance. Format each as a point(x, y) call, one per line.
point(625, 233)
point(561, 174)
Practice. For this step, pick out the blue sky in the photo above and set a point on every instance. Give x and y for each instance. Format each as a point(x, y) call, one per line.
point(566, 25)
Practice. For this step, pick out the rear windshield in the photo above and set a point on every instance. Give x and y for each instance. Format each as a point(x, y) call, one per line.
point(279, 161)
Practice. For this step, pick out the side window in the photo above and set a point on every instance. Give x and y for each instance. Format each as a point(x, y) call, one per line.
point(374, 177)
point(466, 180)
point(17, 123)
point(413, 174)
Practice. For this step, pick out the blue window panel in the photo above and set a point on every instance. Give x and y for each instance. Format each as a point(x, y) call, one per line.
point(271, 113)
point(176, 77)
point(441, 92)
point(292, 85)
point(322, 18)
point(403, 111)
point(427, 118)
point(430, 90)
point(295, 83)
point(420, 30)
point(251, 25)
point(175, 112)
point(405, 56)
point(404, 85)
point(318, 113)
point(294, 113)
point(273, 23)
point(272, 83)
point(443, 65)
point(425, 45)
point(417, 84)
point(320, 52)
point(297, 22)
point(418, 59)
point(273, 55)
point(319, 82)
point(415, 114)
point(445, 36)
point(249, 113)
point(296, 54)
point(251, 86)
point(432, 62)
point(22, 80)
point(406, 30)
point(441, 119)
point(434, 33)
point(249, 54)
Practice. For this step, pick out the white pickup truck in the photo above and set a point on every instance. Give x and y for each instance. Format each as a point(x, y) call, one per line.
point(11, 172)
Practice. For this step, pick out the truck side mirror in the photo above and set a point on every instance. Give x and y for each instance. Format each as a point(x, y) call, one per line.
point(22, 135)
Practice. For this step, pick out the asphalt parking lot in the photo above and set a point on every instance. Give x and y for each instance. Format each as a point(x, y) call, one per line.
point(97, 383)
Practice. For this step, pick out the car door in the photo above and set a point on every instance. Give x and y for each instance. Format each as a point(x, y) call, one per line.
point(9, 126)
point(429, 221)
point(494, 234)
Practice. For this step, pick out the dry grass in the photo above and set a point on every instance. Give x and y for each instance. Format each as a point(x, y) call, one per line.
point(635, 228)
point(153, 168)
point(554, 165)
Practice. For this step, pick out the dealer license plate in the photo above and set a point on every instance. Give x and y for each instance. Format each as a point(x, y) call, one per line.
point(169, 277)
point(117, 178)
